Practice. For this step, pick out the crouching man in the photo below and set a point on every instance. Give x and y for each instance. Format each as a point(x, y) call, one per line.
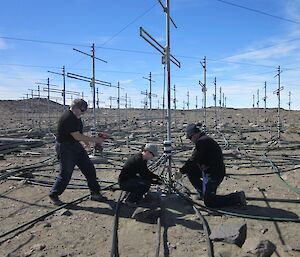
point(135, 177)
point(206, 170)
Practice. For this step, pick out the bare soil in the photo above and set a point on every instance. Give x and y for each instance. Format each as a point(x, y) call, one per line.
point(250, 144)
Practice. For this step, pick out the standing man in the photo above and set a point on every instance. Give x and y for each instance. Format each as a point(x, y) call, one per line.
point(206, 170)
point(70, 152)
point(135, 177)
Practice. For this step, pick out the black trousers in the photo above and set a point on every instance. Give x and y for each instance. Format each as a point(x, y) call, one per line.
point(137, 188)
point(70, 155)
point(207, 186)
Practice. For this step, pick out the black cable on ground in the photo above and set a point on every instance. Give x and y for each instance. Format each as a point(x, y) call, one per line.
point(234, 214)
point(17, 170)
point(42, 217)
point(114, 247)
point(210, 249)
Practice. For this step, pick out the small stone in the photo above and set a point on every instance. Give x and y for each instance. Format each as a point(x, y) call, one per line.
point(65, 212)
point(146, 214)
point(38, 247)
point(261, 248)
point(47, 225)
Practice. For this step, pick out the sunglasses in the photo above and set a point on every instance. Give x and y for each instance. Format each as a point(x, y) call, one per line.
point(82, 109)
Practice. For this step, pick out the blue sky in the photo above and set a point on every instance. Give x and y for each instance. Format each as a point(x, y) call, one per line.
point(244, 43)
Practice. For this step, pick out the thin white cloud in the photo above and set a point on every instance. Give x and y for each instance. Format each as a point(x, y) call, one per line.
point(3, 44)
point(278, 50)
point(292, 9)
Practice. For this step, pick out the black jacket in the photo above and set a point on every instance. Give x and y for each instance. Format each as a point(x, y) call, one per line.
point(136, 167)
point(207, 157)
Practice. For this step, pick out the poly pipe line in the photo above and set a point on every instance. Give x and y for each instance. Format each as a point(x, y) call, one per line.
point(210, 249)
point(114, 246)
point(48, 213)
point(234, 214)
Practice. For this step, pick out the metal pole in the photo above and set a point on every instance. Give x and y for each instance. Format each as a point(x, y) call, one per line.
point(167, 52)
point(94, 96)
point(204, 89)
point(290, 101)
point(223, 107)
point(48, 104)
point(164, 114)
point(215, 99)
point(126, 114)
point(27, 108)
point(118, 101)
point(64, 86)
point(150, 99)
point(93, 86)
point(39, 111)
point(220, 102)
point(278, 94)
point(265, 100)
point(257, 102)
point(168, 69)
point(223, 100)
point(174, 102)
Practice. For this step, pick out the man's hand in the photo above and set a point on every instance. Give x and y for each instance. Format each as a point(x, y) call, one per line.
point(87, 144)
point(99, 140)
point(103, 135)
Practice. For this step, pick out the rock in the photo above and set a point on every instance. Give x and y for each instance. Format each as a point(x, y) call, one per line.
point(230, 232)
point(64, 212)
point(131, 136)
point(47, 225)
point(263, 229)
point(261, 248)
point(146, 214)
point(38, 247)
point(224, 254)
point(291, 247)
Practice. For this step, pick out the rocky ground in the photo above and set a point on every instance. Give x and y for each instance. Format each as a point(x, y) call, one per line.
point(265, 167)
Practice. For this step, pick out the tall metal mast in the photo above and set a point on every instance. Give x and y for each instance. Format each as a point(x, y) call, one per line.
point(265, 101)
point(93, 86)
point(167, 58)
point(289, 103)
point(150, 95)
point(204, 89)
point(278, 95)
point(174, 104)
point(215, 100)
point(257, 104)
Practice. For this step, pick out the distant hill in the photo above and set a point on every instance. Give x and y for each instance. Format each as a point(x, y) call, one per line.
point(32, 105)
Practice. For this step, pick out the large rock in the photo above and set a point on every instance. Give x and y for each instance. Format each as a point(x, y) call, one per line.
point(146, 214)
point(230, 232)
point(261, 248)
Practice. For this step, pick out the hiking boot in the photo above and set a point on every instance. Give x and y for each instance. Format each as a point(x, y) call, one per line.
point(55, 200)
point(98, 197)
point(242, 203)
